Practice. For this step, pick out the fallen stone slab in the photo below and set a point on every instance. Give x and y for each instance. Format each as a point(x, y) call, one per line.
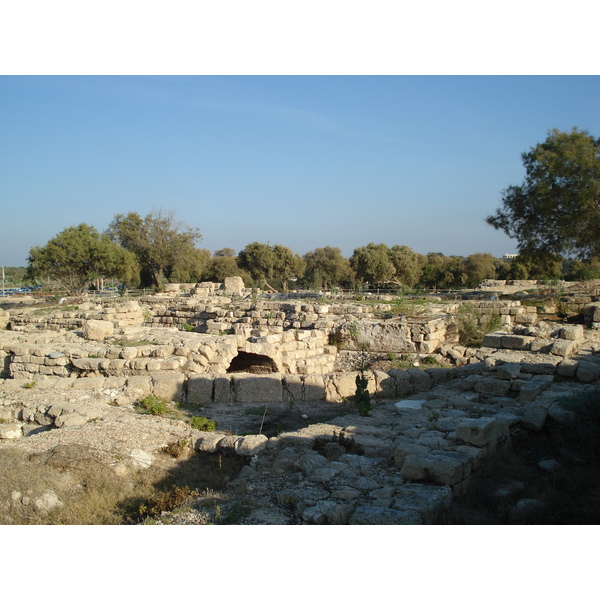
point(479, 432)
point(447, 468)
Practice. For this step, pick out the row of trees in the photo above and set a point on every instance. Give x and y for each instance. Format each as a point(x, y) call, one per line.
point(156, 249)
point(554, 216)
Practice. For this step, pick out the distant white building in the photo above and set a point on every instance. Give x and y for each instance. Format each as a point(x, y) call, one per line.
point(510, 256)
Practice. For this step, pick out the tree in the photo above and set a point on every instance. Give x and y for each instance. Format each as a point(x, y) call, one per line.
point(372, 263)
point(78, 256)
point(258, 260)
point(265, 262)
point(443, 271)
point(555, 212)
point(478, 267)
point(407, 265)
point(159, 242)
point(326, 267)
point(222, 266)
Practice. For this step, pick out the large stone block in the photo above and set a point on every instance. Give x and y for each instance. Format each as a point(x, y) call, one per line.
point(200, 389)
point(97, 330)
point(490, 386)
point(168, 386)
point(257, 388)
point(447, 468)
point(479, 432)
point(588, 371)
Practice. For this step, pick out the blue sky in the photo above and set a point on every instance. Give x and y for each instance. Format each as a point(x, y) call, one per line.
point(304, 161)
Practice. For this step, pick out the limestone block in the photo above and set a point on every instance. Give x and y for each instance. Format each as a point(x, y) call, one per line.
point(385, 385)
point(222, 389)
point(139, 385)
point(70, 420)
point(248, 387)
point(200, 389)
point(439, 376)
point(168, 386)
point(540, 365)
point(479, 432)
point(588, 371)
point(208, 442)
point(429, 501)
point(250, 445)
point(534, 416)
point(405, 447)
point(420, 380)
point(97, 330)
point(508, 370)
point(341, 385)
point(516, 342)
point(490, 386)
point(563, 347)
point(567, 367)
point(404, 385)
point(571, 332)
point(493, 340)
point(447, 468)
point(526, 319)
point(314, 388)
point(11, 431)
point(591, 313)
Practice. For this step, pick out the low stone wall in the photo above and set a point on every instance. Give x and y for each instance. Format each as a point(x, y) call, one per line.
point(146, 350)
point(121, 314)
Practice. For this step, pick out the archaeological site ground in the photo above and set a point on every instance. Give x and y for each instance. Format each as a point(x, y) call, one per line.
point(217, 404)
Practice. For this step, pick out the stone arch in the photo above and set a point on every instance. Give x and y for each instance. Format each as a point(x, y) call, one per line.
point(249, 362)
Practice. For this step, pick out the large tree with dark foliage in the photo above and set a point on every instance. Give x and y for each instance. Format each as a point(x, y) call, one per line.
point(79, 255)
point(161, 244)
point(555, 212)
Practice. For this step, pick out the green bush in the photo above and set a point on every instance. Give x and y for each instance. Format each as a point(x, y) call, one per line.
point(153, 405)
point(203, 424)
point(362, 397)
point(473, 325)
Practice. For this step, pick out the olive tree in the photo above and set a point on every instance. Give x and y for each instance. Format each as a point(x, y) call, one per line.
point(161, 244)
point(78, 256)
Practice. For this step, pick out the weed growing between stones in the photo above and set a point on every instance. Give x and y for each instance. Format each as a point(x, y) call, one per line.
point(473, 325)
point(203, 424)
point(152, 405)
point(362, 397)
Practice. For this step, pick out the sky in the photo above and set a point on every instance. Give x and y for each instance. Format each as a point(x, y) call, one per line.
point(331, 125)
point(303, 161)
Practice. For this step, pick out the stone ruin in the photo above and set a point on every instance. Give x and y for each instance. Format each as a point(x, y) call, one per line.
point(214, 346)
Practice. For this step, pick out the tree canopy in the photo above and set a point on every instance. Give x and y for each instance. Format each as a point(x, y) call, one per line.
point(161, 244)
point(326, 267)
point(555, 212)
point(78, 256)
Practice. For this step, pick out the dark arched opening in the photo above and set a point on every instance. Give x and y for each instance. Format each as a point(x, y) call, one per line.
point(247, 362)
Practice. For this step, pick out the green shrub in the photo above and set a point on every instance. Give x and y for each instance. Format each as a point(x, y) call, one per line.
point(203, 424)
point(362, 397)
point(153, 405)
point(473, 325)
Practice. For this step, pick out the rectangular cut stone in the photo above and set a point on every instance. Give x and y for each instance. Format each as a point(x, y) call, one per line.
point(516, 342)
point(257, 388)
point(314, 388)
point(168, 386)
point(200, 389)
